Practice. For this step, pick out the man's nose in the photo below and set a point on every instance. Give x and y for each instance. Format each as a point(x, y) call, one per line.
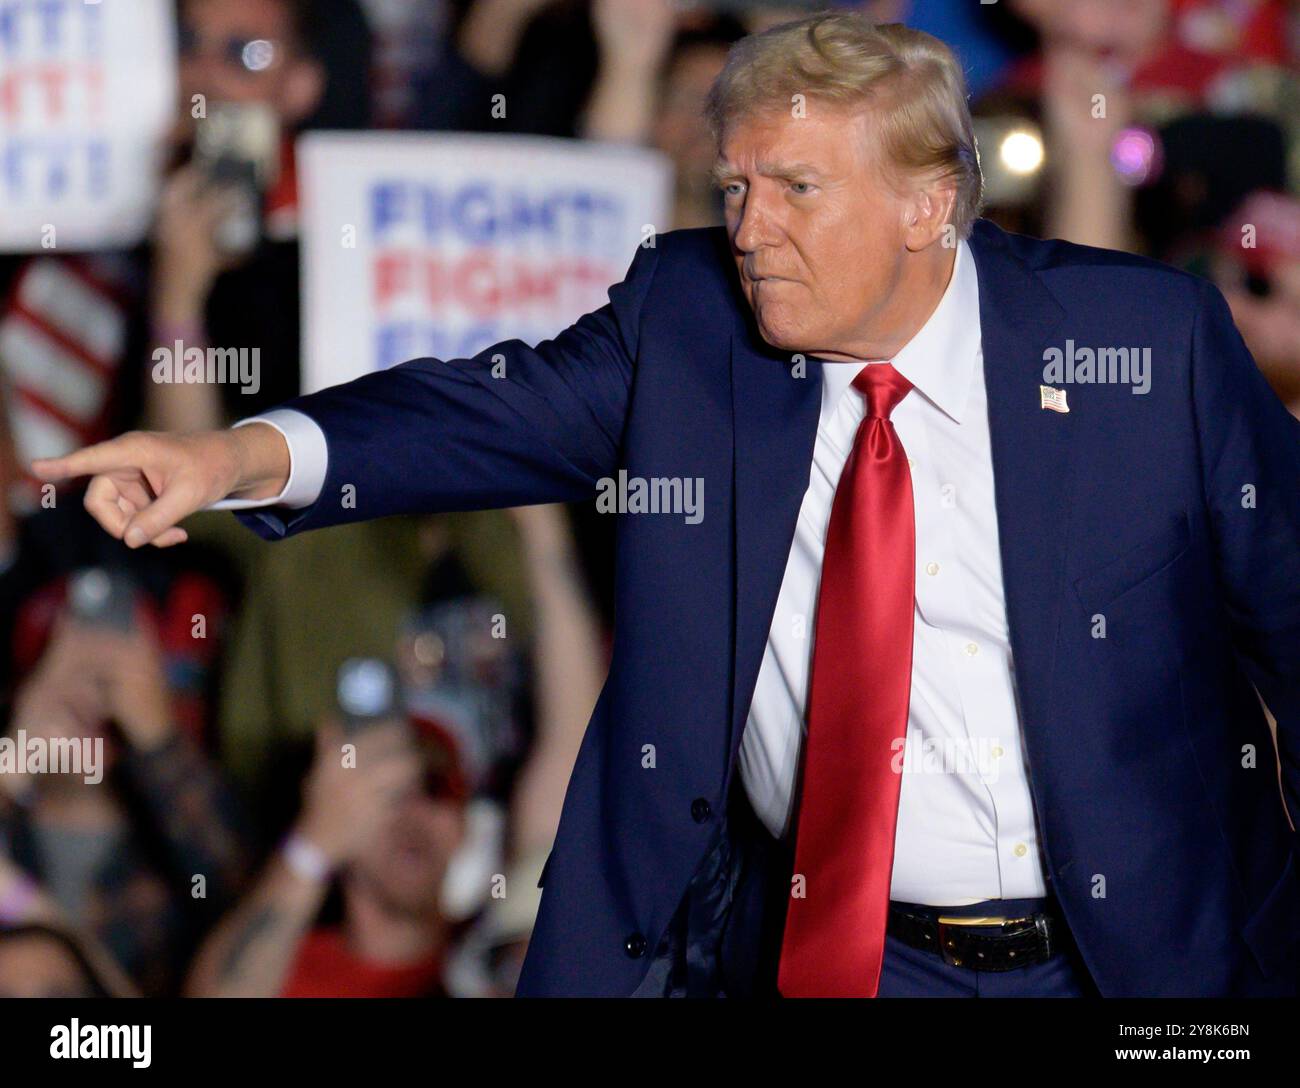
point(757, 227)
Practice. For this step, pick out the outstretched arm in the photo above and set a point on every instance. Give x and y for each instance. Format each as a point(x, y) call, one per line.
point(512, 426)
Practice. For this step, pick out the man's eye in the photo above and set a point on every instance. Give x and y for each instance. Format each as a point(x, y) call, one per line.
point(732, 188)
point(801, 188)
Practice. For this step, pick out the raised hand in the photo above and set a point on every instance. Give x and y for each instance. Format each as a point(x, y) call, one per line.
point(346, 806)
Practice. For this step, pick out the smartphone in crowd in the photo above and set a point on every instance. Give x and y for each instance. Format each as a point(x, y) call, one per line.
point(238, 147)
point(102, 598)
point(367, 691)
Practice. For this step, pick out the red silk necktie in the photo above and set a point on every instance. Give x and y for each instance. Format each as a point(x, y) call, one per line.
point(858, 697)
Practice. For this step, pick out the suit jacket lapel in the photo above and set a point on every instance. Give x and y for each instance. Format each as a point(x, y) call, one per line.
point(1018, 317)
point(775, 416)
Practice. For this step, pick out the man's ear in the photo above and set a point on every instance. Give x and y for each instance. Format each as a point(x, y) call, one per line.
point(304, 86)
point(928, 211)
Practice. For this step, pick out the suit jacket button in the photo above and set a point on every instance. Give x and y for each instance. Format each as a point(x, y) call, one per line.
point(635, 946)
point(701, 810)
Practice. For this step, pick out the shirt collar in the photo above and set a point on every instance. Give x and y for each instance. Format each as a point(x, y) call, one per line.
point(940, 359)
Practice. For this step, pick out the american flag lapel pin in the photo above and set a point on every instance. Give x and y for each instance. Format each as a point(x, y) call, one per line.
point(1052, 399)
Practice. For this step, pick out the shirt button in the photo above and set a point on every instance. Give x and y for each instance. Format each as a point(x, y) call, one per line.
point(972, 649)
point(998, 751)
point(1021, 850)
point(932, 568)
point(911, 463)
point(634, 946)
point(701, 810)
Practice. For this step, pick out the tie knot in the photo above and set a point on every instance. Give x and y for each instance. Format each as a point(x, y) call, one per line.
point(882, 387)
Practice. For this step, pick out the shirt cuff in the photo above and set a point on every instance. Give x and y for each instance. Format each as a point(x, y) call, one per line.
point(308, 460)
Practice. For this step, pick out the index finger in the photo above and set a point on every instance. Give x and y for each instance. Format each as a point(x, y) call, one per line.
point(92, 460)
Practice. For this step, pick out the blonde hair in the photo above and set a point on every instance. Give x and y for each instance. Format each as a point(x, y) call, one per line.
point(912, 81)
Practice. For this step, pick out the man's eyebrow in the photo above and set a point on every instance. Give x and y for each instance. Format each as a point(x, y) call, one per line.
point(722, 170)
point(788, 170)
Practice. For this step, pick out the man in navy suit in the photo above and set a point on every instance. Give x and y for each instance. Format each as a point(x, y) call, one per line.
point(953, 567)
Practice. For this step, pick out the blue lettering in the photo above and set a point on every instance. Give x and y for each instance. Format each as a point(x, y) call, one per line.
point(386, 206)
point(476, 229)
point(480, 213)
point(27, 26)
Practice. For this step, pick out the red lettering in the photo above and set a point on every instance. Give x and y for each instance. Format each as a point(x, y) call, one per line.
point(483, 283)
point(392, 277)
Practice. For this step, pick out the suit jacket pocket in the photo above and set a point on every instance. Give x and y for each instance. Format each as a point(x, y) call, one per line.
point(1099, 588)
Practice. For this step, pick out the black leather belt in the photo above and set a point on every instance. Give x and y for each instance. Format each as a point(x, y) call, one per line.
point(983, 943)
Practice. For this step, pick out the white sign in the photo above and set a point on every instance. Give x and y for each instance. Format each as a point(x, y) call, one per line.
point(431, 245)
point(87, 91)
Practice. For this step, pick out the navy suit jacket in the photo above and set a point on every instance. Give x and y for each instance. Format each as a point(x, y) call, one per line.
point(1175, 515)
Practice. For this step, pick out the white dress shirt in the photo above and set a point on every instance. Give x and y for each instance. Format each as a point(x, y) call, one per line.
point(966, 829)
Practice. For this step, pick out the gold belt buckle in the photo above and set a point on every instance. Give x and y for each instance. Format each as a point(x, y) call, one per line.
point(958, 920)
point(945, 920)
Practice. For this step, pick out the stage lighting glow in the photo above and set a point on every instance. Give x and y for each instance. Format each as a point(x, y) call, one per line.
point(1134, 155)
point(1021, 152)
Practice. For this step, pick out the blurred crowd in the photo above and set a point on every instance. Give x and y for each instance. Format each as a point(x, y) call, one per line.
point(335, 766)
